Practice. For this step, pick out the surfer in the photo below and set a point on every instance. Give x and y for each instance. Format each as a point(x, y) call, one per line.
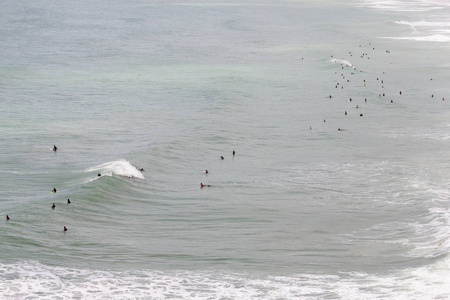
point(141, 169)
point(55, 148)
point(68, 201)
point(7, 218)
point(345, 112)
point(206, 172)
point(203, 185)
point(221, 157)
point(234, 152)
point(65, 229)
point(53, 206)
point(98, 174)
point(54, 190)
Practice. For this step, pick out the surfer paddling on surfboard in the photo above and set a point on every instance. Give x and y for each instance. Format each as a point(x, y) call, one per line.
point(55, 148)
point(54, 190)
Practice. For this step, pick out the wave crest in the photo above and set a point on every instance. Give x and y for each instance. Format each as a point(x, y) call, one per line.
point(342, 62)
point(119, 167)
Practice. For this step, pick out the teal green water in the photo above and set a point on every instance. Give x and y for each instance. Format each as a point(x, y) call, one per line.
point(302, 211)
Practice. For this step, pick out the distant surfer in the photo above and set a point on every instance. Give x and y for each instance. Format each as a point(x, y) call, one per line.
point(345, 112)
point(7, 218)
point(234, 152)
point(53, 206)
point(203, 185)
point(55, 148)
point(141, 169)
point(98, 174)
point(206, 172)
point(221, 157)
point(54, 190)
point(68, 201)
point(65, 229)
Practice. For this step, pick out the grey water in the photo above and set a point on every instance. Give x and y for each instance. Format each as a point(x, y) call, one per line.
point(341, 197)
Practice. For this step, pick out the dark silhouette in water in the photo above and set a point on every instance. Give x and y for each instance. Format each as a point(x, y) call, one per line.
point(53, 206)
point(68, 201)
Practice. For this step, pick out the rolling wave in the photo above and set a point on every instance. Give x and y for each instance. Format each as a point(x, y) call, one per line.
point(118, 167)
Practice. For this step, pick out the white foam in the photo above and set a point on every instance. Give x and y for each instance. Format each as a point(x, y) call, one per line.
point(35, 280)
point(341, 62)
point(425, 38)
point(119, 167)
point(401, 5)
point(411, 25)
point(424, 23)
point(432, 237)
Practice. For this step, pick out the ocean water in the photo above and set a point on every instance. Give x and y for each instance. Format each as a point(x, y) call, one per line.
point(301, 211)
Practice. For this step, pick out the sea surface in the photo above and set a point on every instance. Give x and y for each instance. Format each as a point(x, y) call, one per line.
point(338, 113)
